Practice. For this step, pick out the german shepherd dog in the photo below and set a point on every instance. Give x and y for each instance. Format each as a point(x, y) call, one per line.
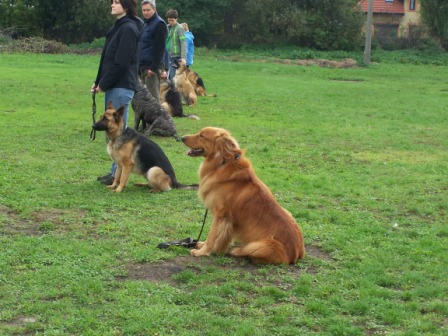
point(184, 86)
point(134, 153)
point(171, 100)
point(196, 81)
point(155, 119)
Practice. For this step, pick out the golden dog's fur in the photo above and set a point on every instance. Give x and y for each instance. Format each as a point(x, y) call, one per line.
point(244, 209)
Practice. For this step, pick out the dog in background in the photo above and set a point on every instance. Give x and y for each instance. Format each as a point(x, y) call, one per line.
point(184, 86)
point(244, 209)
point(196, 81)
point(134, 153)
point(171, 100)
point(155, 119)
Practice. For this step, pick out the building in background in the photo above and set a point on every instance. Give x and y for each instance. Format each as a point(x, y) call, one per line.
point(393, 18)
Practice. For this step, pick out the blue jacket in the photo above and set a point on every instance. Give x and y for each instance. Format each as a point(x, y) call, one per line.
point(190, 47)
point(118, 63)
point(152, 43)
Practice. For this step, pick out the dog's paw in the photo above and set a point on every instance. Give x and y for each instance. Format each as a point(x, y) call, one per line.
point(236, 251)
point(200, 244)
point(198, 253)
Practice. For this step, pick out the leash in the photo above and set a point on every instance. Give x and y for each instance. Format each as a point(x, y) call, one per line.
point(187, 242)
point(93, 132)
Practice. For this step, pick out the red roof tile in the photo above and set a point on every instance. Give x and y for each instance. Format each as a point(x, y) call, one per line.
point(384, 7)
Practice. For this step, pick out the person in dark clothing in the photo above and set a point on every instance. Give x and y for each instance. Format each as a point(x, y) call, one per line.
point(117, 74)
point(152, 48)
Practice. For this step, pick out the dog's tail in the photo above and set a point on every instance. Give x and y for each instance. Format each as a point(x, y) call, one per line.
point(178, 185)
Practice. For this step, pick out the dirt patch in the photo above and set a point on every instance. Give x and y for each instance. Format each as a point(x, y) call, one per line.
point(165, 271)
point(38, 222)
point(344, 63)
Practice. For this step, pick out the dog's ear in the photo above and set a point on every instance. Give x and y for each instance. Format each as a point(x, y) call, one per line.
point(118, 114)
point(227, 146)
point(110, 106)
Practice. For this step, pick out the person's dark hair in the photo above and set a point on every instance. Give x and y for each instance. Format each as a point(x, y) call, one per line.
point(130, 6)
point(172, 14)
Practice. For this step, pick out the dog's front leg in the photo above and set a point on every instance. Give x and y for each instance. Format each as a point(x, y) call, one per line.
point(117, 176)
point(125, 172)
point(218, 239)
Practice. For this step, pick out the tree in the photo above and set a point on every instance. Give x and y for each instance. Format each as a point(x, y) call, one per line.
point(19, 16)
point(322, 24)
point(205, 18)
point(72, 21)
point(434, 14)
point(68, 21)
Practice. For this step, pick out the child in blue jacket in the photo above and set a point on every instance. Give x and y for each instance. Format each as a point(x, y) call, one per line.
point(190, 44)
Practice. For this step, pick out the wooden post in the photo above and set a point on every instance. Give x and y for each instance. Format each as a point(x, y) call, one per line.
point(368, 44)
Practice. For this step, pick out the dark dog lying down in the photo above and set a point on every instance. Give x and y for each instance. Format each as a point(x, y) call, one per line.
point(155, 119)
point(134, 153)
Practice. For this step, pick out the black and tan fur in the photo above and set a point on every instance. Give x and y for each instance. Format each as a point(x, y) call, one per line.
point(184, 86)
point(171, 100)
point(134, 153)
point(196, 81)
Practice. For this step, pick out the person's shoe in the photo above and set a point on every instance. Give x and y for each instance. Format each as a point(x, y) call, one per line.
point(106, 179)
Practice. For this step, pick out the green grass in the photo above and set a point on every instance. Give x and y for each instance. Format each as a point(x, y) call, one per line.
point(359, 156)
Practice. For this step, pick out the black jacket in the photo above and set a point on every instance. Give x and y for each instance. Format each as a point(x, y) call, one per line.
point(152, 43)
point(119, 58)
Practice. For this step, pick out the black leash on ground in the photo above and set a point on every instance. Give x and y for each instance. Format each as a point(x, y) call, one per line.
point(187, 242)
point(92, 132)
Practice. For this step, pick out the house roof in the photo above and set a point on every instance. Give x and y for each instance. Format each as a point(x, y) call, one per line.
point(384, 7)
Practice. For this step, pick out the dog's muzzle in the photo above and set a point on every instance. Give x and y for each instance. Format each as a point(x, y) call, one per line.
point(99, 127)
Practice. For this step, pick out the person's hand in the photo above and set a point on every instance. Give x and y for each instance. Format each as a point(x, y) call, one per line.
point(150, 73)
point(163, 74)
point(95, 89)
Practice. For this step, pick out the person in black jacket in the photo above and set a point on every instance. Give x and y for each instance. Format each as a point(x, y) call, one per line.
point(118, 70)
point(152, 48)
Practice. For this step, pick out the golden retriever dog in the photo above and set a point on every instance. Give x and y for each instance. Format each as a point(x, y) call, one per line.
point(184, 86)
point(244, 210)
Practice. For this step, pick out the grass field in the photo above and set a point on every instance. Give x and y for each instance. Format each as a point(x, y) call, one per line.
point(359, 156)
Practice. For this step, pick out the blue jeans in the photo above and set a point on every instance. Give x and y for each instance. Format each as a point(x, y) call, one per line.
point(172, 69)
point(119, 97)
